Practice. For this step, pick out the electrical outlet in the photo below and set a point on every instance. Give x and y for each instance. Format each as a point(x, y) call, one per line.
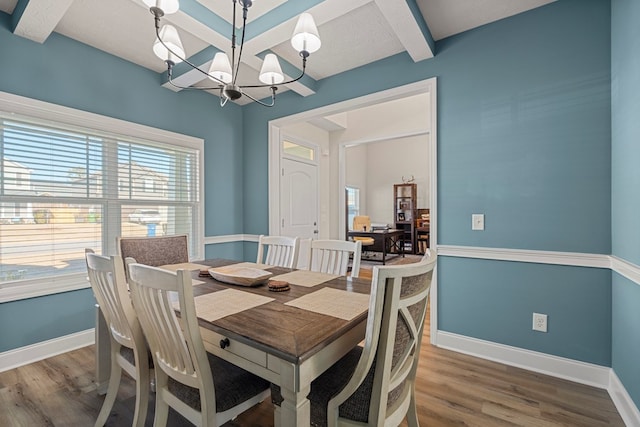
point(477, 222)
point(539, 322)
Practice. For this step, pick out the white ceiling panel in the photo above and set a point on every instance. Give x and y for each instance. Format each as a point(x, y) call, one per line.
point(121, 28)
point(7, 6)
point(344, 47)
point(448, 17)
point(354, 33)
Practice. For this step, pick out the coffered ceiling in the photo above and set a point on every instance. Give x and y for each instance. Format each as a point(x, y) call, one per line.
point(354, 33)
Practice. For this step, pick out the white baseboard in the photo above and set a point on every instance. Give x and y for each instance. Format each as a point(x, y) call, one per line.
point(32, 353)
point(624, 404)
point(560, 367)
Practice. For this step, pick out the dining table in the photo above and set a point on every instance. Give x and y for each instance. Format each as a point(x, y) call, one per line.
point(289, 337)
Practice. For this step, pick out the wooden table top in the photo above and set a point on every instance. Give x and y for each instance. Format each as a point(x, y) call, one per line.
point(290, 333)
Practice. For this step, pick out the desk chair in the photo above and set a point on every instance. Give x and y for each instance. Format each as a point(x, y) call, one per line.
point(332, 256)
point(363, 223)
point(206, 390)
point(278, 251)
point(381, 390)
point(128, 348)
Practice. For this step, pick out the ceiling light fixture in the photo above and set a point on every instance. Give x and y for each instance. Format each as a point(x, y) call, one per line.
point(168, 47)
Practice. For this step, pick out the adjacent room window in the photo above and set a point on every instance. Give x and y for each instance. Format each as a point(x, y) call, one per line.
point(353, 205)
point(65, 188)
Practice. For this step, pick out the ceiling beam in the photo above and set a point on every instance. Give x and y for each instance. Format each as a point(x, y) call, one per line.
point(36, 20)
point(406, 21)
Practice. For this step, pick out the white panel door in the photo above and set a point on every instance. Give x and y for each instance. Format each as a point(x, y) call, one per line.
point(299, 199)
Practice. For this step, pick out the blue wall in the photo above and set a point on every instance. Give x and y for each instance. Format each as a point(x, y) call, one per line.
point(524, 136)
point(625, 148)
point(531, 132)
point(68, 73)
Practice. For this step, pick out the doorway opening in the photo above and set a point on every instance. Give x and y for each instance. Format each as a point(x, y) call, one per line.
point(327, 128)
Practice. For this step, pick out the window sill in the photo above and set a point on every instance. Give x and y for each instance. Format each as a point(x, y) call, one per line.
point(41, 287)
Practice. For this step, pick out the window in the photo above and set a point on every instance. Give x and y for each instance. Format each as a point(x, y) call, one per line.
point(297, 150)
point(353, 205)
point(65, 188)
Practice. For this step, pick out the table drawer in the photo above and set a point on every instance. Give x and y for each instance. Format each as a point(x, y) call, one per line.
point(212, 343)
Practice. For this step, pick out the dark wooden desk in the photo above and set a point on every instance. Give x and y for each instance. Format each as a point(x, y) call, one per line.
point(385, 241)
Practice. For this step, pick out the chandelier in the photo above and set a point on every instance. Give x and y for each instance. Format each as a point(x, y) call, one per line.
point(223, 72)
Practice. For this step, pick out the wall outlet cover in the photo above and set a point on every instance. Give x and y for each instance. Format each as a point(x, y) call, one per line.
point(539, 322)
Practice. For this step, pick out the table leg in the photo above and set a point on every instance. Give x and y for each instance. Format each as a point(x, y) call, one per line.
point(384, 249)
point(295, 410)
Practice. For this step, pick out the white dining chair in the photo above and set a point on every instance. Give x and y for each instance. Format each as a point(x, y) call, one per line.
point(332, 256)
point(374, 385)
point(129, 351)
point(280, 251)
point(206, 390)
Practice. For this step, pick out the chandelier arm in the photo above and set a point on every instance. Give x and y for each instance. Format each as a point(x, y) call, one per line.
point(273, 98)
point(223, 99)
point(185, 60)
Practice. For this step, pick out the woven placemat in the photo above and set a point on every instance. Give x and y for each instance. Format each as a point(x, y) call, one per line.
point(333, 302)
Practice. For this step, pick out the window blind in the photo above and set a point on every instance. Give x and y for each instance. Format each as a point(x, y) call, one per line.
point(64, 188)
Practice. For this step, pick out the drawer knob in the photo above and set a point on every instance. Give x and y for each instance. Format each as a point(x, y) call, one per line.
point(224, 343)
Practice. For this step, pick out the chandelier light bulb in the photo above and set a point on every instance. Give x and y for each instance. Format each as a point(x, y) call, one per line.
point(271, 73)
point(171, 39)
point(166, 6)
point(305, 36)
point(221, 68)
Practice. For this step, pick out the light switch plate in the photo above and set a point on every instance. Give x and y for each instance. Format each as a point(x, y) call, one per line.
point(477, 221)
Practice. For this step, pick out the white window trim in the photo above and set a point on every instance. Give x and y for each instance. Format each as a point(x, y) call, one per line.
point(44, 110)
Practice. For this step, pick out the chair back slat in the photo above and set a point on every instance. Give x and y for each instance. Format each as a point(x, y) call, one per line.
point(332, 256)
point(184, 370)
point(156, 296)
point(104, 275)
point(279, 251)
point(128, 349)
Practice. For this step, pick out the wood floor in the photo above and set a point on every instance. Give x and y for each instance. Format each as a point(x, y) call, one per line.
point(452, 390)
